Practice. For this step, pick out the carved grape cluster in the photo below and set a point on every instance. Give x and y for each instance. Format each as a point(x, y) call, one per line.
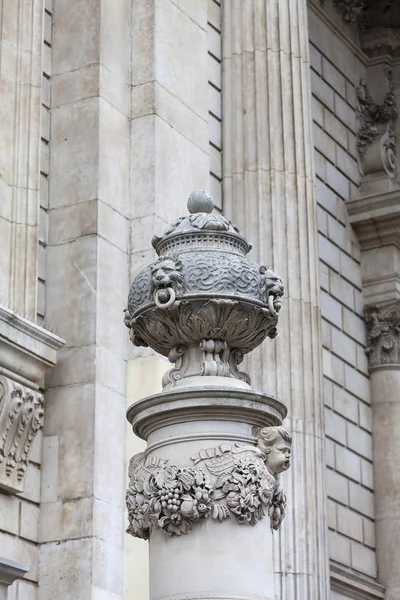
point(170, 497)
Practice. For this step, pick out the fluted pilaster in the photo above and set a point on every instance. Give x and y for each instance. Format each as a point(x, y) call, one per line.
point(269, 192)
point(21, 42)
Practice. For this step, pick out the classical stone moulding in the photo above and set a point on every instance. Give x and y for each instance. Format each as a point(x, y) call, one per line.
point(171, 406)
point(376, 140)
point(26, 349)
point(383, 326)
point(228, 481)
point(21, 417)
point(376, 219)
point(202, 303)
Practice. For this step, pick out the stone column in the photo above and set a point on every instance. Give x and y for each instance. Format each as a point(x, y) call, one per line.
point(383, 325)
point(10, 571)
point(269, 191)
point(206, 490)
point(376, 220)
point(21, 43)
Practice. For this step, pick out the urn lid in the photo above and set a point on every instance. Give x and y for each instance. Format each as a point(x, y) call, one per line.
point(202, 227)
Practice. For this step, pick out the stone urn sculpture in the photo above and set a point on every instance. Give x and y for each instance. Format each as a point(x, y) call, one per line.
point(209, 477)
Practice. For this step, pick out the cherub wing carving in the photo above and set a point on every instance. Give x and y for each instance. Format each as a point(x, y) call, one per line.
point(221, 465)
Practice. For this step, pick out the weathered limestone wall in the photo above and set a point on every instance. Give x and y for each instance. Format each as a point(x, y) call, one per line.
point(82, 500)
point(336, 68)
point(22, 57)
point(19, 527)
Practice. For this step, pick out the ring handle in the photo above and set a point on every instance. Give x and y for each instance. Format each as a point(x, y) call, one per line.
point(169, 302)
point(271, 306)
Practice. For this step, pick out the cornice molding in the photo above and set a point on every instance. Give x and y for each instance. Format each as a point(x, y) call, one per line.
point(11, 570)
point(26, 349)
point(376, 219)
point(354, 585)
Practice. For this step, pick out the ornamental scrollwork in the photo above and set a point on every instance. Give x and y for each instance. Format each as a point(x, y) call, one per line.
point(21, 417)
point(383, 328)
point(234, 481)
point(376, 128)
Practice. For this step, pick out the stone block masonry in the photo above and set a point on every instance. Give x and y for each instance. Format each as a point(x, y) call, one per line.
point(346, 382)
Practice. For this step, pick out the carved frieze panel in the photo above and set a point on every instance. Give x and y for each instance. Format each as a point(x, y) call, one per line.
point(383, 326)
point(229, 481)
point(21, 417)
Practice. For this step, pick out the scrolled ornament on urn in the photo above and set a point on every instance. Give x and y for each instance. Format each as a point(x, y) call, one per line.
point(204, 296)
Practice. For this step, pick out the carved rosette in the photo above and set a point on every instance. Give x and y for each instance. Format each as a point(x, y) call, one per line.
point(228, 481)
point(21, 417)
point(383, 326)
point(203, 303)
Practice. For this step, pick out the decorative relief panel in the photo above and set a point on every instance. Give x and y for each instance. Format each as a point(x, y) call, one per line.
point(376, 140)
point(229, 481)
point(383, 325)
point(21, 417)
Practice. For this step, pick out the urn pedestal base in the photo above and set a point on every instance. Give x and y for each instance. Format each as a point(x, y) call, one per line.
point(206, 491)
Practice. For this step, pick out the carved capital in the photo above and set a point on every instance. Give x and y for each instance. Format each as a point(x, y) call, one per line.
point(383, 325)
point(21, 417)
point(227, 481)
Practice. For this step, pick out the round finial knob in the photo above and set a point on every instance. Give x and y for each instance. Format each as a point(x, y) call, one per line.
point(200, 201)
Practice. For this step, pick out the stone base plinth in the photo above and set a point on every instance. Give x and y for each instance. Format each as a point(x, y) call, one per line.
point(202, 457)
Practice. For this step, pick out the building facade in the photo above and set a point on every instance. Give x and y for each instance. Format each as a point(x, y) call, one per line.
point(111, 113)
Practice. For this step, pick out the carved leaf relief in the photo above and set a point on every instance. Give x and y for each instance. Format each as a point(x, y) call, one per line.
point(21, 417)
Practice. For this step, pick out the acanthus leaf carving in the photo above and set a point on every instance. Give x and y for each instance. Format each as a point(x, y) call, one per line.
point(383, 327)
point(240, 324)
point(21, 417)
point(376, 126)
point(235, 481)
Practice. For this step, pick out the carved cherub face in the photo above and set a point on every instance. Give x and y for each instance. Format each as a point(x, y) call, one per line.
point(276, 444)
point(278, 458)
point(166, 273)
